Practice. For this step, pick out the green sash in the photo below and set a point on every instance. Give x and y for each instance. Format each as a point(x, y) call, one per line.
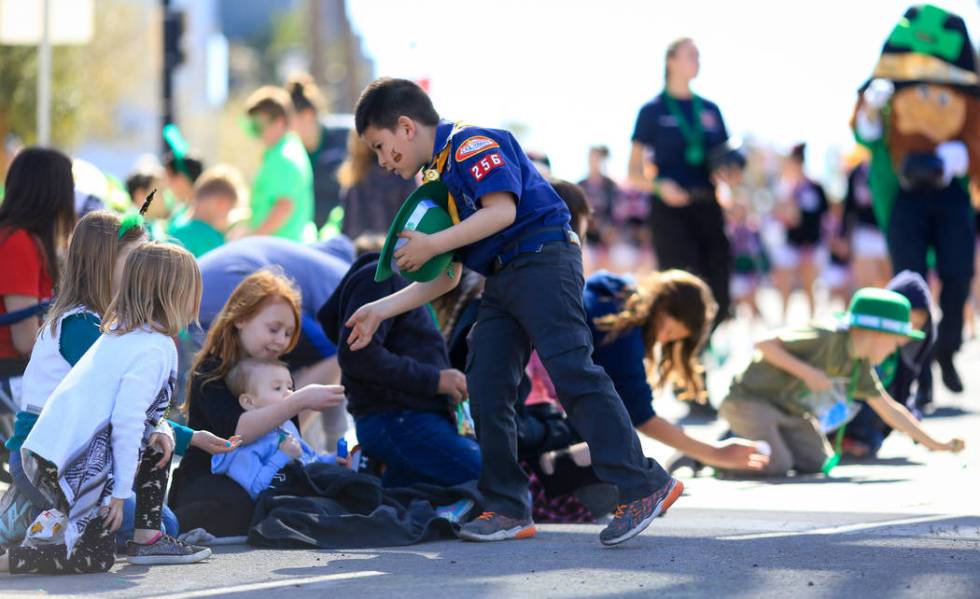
point(693, 133)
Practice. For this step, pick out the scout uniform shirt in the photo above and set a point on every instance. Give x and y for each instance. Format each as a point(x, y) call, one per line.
point(285, 173)
point(823, 346)
point(658, 129)
point(483, 161)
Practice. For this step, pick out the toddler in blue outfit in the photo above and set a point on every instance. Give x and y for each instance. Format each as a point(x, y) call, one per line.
point(257, 384)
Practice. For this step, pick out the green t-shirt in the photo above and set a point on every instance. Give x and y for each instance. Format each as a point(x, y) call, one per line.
point(285, 173)
point(196, 235)
point(823, 346)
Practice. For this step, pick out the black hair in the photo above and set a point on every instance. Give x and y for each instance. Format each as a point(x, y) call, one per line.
point(190, 166)
point(539, 158)
point(602, 150)
point(574, 197)
point(40, 198)
point(384, 100)
point(139, 180)
point(304, 93)
point(798, 153)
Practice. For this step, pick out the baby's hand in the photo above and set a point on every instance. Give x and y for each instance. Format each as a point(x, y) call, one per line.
point(290, 446)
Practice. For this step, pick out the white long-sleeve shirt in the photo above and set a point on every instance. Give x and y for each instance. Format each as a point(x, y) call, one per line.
point(125, 381)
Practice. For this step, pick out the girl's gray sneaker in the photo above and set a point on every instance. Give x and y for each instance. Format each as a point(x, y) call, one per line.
point(165, 550)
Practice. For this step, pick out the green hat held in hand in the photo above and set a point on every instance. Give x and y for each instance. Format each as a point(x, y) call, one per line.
point(882, 310)
point(424, 211)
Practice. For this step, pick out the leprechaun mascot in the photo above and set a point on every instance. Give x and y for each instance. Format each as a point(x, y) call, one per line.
point(919, 115)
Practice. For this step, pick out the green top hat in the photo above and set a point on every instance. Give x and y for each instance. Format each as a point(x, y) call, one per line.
point(882, 310)
point(424, 211)
point(929, 45)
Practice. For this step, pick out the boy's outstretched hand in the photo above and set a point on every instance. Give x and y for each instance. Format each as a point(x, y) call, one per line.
point(363, 324)
point(955, 445)
point(418, 250)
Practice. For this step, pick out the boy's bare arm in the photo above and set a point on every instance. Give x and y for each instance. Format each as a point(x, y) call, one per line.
point(773, 352)
point(896, 416)
point(498, 212)
point(277, 217)
point(368, 317)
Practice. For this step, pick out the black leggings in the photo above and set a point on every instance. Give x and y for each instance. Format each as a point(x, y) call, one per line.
point(215, 503)
point(692, 238)
point(95, 549)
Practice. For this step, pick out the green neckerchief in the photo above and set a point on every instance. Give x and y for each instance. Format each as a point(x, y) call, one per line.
point(693, 133)
point(887, 369)
point(833, 460)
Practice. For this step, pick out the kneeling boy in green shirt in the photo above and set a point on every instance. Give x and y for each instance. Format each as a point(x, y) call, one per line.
point(786, 395)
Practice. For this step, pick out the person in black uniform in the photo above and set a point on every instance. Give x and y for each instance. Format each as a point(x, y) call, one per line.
point(682, 130)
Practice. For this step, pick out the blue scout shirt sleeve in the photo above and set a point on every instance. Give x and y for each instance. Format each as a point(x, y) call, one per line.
point(486, 162)
point(623, 359)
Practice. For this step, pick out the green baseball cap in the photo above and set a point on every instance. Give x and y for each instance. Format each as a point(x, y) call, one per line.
point(882, 310)
point(424, 211)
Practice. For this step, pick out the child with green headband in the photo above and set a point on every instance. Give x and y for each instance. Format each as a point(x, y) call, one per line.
point(802, 383)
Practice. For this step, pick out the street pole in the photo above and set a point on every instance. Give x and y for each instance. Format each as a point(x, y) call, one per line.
point(168, 102)
point(44, 78)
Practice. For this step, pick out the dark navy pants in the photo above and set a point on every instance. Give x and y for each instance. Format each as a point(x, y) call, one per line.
point(418, 447)
point(536, 301)
point(943, 220)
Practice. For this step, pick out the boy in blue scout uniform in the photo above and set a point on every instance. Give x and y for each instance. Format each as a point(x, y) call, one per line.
point(511, 226)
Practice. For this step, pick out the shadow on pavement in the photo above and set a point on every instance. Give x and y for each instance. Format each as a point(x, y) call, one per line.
point(569, 561)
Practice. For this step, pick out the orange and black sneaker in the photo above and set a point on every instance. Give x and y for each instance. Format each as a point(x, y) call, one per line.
point(632, 518)
point(491, 526)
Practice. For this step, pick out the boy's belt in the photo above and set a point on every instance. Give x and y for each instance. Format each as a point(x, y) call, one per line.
point(531, 243)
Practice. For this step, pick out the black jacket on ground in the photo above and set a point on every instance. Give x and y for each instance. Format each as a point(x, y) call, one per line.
point(399, 369)
point(329, 507)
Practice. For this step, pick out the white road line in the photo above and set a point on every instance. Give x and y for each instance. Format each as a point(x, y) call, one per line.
point(833, 530)
point(274, 584)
